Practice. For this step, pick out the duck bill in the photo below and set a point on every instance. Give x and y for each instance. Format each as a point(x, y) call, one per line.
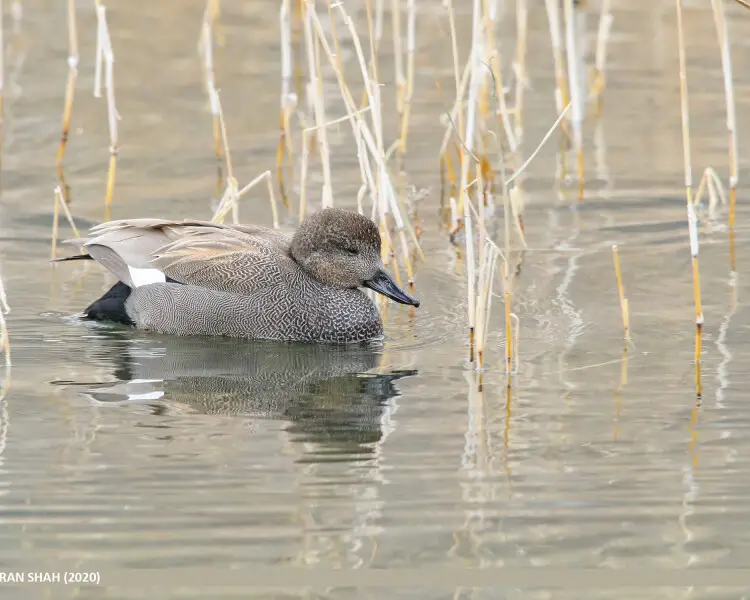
point(383, 283)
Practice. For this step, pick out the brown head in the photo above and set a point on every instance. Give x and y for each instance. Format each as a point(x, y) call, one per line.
point(342, 248)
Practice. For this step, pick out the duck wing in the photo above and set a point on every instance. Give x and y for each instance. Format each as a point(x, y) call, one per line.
point(228, 258)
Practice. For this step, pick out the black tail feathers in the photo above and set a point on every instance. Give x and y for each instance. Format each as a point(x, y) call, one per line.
point(111, 306)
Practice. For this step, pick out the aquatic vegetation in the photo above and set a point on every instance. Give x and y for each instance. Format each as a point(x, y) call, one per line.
point(692, 218)
point(621, 292)
point(70, 87)
point(106, 56)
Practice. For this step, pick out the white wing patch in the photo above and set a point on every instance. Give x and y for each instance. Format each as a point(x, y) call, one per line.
point(141, 277)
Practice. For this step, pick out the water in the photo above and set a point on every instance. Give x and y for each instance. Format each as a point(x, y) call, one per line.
point(210, 463)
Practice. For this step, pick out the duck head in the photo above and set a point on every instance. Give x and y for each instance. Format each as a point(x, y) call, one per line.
point(342, 248)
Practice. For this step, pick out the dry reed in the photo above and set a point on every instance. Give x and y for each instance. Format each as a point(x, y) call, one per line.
point(205, 46)
point(106, 58)
point(493, 61)
point(70, 87)
point(522, 25)
point(599, 80)
point(506, 278)
point(624, 307)
point(409, 86)
point(288, 99)
point(381, 189)
point(575, 89)
point(726, 66)
point(561, 86)
point(711, 183)
point(60, 203)
point(4, 339)
point(467, 151)
point(232, 194)
point(315, 91)
point(2, 72)
point(229, 197)
point(692, 218)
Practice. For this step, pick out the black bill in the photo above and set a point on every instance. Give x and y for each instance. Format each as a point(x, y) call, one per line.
point(383, 283)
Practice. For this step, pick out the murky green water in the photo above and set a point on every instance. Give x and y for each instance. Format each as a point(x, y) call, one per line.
point(199, 459)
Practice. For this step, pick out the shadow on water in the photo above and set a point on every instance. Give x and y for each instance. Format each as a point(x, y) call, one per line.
point(333, 396)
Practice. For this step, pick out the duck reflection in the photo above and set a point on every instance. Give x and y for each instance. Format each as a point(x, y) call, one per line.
point(328, 394)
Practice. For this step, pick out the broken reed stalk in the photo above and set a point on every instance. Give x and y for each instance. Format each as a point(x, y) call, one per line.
point(621, 291)
point(571, 49)
point(229, 198)
point(70, 87)
point(227, 202)
point(561, 86)
point(549, 133)
point(60, 203)
point(710, 181)
point(722, 33)
point(600, 61)
point(692, 218)
point(744, 3)
point(106, 55)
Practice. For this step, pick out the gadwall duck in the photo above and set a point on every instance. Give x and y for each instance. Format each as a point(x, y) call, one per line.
point(201, 278)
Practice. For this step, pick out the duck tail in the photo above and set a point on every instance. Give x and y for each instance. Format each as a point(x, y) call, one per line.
point(111, 306)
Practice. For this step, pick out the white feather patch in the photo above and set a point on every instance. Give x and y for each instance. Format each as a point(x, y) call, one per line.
point(155, 395)
point(145, 276)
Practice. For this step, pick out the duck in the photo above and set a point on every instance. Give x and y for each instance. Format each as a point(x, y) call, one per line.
point(195, 277)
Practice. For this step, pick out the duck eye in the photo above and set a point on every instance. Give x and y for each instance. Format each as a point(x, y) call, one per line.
point(351, 251)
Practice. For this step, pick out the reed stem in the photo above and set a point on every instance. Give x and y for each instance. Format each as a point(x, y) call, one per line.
point(522, 23)
point(206, 48)
point(4, 339)
point(599, 83)
point(561, 89)
point(624, 308)
point(315, 88)
point(575, 89)
point(2, 73)
point(726, 65)
point(692, 218)
point(409, 90)
point(109, 59)
point(72, 75)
